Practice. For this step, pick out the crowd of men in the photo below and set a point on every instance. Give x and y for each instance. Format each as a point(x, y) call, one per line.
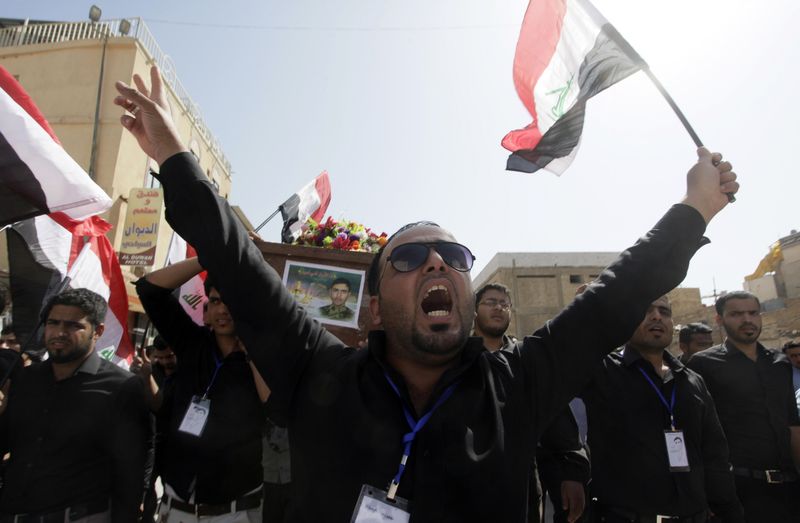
point(424, 423)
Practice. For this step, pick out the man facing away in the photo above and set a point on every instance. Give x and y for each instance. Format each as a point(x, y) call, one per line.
point(560, 454)
point(693, 338)
point(76, 426)
point(424, 423)
point(212, 415)
point(658, 449)
point(753, 392)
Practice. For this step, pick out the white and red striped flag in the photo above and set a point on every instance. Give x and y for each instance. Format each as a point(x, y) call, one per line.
point(191, 295)
point(309, 202)
point(37, 177)
point(567, 52)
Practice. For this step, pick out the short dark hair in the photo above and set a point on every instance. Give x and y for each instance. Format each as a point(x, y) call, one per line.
point(374, 271)
point(791, 344)
point(90, 303)
point(159, 343)
point(491, 287)
point(690, 329)
point(7, 329)
point(341, 281)
point(735, 295)
point(208, 284)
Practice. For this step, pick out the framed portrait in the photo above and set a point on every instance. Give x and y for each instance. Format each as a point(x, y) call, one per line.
point(330, 294)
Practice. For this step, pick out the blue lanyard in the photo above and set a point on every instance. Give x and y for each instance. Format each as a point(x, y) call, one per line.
point(216, 370)
point(416, 426)
point(671, 405)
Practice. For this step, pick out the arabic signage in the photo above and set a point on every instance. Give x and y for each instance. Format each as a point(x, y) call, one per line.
point(140, 235)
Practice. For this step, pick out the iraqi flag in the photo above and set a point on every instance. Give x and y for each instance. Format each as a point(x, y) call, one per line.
point(567, 52)
point(37, 176)
point(49, 253)
point(309, 202)
point(191, 295)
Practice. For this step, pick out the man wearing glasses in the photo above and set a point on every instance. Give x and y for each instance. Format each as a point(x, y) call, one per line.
point(424, 423)
point(561, 468)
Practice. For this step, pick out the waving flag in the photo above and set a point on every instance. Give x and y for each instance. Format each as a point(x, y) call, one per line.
point(37, 176)
point(47, 251)
point(567, 52)
point(191, 295)
point(49, 248)
point(309, 202)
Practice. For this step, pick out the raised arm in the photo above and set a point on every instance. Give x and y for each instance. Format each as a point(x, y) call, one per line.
point(606, 314)
point(279, 335)
point(163, 308)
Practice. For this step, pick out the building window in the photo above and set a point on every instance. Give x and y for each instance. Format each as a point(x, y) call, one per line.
point(215, 184)
point(575, 278)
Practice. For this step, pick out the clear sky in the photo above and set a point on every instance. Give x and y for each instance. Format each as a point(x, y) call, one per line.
point(405, 104)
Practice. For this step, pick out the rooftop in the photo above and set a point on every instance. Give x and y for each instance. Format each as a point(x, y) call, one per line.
point(15, 33)
point(508, 260)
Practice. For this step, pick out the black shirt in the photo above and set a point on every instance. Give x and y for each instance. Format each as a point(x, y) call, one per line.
point(755, 401)
point(224, 462)
point(83, 439)
point(471, 460)
point(627, 420)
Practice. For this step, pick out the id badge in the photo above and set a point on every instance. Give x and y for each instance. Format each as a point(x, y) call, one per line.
point(373, 507)
point(194, 421)
point(676, 451)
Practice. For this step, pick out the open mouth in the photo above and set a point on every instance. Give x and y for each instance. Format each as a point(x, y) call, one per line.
point(437, 302)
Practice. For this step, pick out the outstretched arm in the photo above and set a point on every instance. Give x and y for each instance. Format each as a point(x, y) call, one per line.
point(279, 334)
point(606, 314)
point(175, 275)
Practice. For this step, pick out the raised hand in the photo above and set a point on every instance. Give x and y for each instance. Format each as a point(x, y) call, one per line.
point(149, 121)
point(708, 184)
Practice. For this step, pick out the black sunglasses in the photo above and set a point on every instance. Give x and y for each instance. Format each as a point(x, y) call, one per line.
point(410, 256)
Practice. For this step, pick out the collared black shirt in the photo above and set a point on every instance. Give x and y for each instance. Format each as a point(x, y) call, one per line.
point(560, 451)
point(224, 462)
point(755, 401)
point(79, 440)
point(627, 420)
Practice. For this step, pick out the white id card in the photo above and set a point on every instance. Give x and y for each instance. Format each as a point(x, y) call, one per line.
point(373, 507)
point(194, 421)
point(676, 450)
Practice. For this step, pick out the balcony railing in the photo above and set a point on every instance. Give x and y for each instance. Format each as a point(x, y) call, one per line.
point(31, 34)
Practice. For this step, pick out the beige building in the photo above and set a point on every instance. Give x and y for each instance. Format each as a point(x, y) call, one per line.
point(543, 283)
point(69, 70)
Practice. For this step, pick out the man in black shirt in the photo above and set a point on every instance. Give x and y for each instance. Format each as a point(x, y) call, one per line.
point(76, 425)
point(210, 464)
point(560, 453)
point(424, 412)
point(752, 388)
point(693, 338)
point(657, 445)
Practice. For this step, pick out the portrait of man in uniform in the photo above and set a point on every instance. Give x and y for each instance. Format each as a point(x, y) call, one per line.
point(328, 293)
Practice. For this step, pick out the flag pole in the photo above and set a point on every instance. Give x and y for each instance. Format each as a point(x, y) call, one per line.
point(271, 216)
point(677, 110)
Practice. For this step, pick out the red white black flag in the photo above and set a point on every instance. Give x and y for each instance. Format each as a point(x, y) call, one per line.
point(309, 202)
point(191, 295)
point(49, 248)
point(37, 176)
point(567, 52)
